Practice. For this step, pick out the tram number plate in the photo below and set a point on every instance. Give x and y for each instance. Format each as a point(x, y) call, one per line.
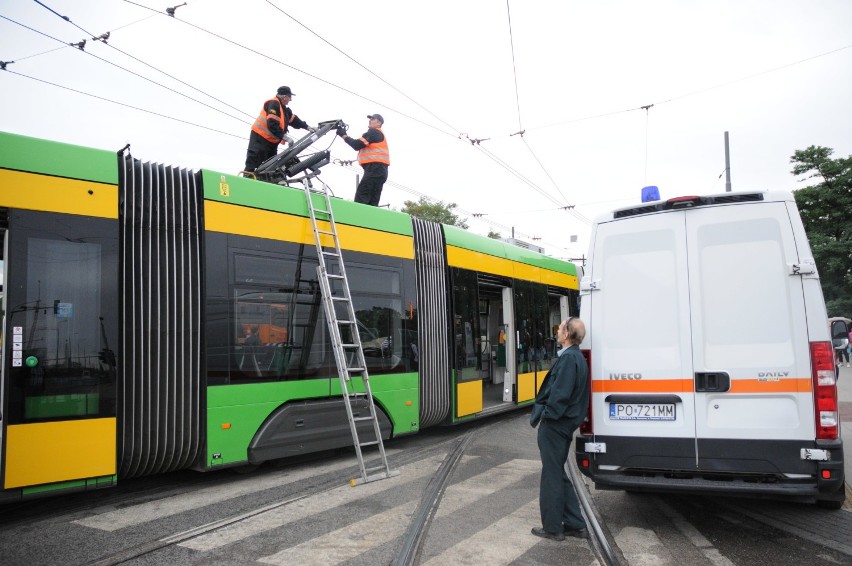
point(642, 411)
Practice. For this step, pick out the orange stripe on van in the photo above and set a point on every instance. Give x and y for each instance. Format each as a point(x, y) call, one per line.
point(788, 385)
point(642, 386)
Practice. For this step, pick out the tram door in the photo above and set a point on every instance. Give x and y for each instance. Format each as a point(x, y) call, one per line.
point(510, 371)
point(60, 334)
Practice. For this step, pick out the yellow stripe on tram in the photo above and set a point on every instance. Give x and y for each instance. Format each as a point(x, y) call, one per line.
point(51, 452)
point(56, 194)
point(232, 219)
point(478, 261)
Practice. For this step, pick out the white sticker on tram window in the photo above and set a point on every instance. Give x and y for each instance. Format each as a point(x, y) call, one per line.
point(17, 355)
point(17, 363)
point(17, 338)
point(17, 346)
point(17, 330)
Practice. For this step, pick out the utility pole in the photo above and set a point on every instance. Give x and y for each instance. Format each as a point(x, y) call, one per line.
point(727, 165)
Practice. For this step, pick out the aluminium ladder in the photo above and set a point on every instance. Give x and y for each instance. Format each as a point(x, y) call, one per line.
point(345, 352)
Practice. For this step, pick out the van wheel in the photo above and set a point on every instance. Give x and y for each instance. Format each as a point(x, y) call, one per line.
point(833, 504)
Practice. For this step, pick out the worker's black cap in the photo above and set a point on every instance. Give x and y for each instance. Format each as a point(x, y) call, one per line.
point(285, 91)
point(377, 117)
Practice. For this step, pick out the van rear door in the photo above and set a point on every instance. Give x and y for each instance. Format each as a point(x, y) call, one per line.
point(642, 388)
point(749, 338)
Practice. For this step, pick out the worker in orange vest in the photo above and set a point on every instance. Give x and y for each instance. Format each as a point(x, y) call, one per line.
point(373, 156)
point(270, 127)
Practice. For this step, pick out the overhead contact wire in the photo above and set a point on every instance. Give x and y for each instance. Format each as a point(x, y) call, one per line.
point(123, 104)
point(311, 75)
point(127, 70)
point(90, 34)
point(364, 67)
point(489, 154)
point(520, 132)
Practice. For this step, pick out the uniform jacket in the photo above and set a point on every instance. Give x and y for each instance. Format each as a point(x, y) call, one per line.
point(564, 393)
point(272, 123)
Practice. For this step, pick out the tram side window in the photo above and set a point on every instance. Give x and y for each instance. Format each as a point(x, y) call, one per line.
point(466, 332)
point(550, 327)
point(62, 316)
point(384, 324)
point(279, 329)
point(532, 321)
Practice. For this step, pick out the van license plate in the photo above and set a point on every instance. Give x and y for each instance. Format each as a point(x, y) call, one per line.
point(642, 411)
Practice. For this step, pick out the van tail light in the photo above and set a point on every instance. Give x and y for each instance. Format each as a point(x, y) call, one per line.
point(586, 426)
point(825, 390)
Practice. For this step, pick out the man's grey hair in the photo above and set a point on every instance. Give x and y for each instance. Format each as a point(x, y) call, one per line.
point(576, 330)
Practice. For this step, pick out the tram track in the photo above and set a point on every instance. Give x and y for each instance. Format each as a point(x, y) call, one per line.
point(599, 542)
point(406, 457)
point(409, 552)
point(413, 538)
point(447, 453)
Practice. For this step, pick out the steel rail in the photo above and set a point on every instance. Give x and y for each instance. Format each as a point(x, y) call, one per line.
point(413, 539)
point(600, 544)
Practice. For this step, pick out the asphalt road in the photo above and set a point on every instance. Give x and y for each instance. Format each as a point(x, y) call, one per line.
point(305, 513)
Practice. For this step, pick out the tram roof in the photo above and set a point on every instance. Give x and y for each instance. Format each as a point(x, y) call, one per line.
point(59, 159)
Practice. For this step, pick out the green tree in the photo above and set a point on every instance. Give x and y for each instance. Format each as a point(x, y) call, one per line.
point(494, 235)
point(434, 212)
point(826, 209)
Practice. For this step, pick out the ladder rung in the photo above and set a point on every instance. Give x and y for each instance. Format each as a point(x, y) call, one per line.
point(357, 419)
point(340, 298)
point(371, 443)
point(333, 276)
point(349, 345)
point(333, 254)
point(355, 369)
point(376, 469)
point(326, 232)
point(345, 321)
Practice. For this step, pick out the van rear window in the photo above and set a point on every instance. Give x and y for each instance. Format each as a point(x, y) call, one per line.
point(682, 202)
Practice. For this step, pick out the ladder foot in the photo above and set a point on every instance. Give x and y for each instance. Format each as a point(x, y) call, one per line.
point(376, 477)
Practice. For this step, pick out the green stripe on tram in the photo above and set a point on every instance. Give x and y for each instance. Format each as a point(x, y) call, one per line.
point(23, 153)
point(233, 189)
point(463, 239)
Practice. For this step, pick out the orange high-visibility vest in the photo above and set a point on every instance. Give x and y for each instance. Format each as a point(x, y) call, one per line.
point(260, 126)
point(375, 152)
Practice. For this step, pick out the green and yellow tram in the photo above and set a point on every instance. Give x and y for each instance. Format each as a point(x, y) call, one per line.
point(156, 319)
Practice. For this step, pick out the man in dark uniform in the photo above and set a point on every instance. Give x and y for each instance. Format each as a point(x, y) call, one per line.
point(270, 127)
point(560, 407)
point(374, 157)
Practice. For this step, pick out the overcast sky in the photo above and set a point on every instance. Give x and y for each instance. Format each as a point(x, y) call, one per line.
point(572, 76)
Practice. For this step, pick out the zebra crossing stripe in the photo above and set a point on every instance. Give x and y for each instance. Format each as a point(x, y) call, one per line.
point(309, 506)
point(462, 494)
point(154, 510)
point(357, 538)
point(500, 543)
point(350, 541)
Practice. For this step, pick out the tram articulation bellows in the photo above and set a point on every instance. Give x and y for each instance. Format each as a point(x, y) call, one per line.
point(349, 353)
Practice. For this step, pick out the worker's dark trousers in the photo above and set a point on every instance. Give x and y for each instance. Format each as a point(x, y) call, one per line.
point(557, 500)
point(370, 188)
point(259, 150)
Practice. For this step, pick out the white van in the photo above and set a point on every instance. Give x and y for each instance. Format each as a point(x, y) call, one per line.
point(711, 362)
